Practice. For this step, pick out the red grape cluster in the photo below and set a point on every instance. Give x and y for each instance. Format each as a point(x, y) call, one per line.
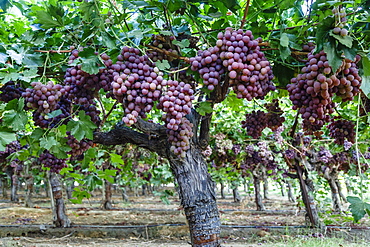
point(163, 43)
point(209, 65)
point(180, 138)
point(341, 130)
point(10, 91)
point(340, 20)
point(49, 160)
point(143, 171)
point(81, 88)
point(311, 92)
point(138, 85)
point(324, 155)
point(43, 97)
point(259, 159)
point(238, 53)
point(64, 105)
point(222, 143)
point(78, 147)
point(175, 102)
point(290, 154)
point(10, 148)
point(274, 118)
point(255, 122)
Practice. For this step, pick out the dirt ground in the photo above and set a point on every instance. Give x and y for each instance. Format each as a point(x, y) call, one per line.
point(150, 210)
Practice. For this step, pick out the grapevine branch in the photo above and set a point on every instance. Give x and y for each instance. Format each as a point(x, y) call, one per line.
point(245, 14)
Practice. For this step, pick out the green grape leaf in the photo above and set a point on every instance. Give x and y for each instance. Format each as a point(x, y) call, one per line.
point(345, 40)
point(17, 57)
point(29, 74)
point(162, 65)
point(233, 102)
point(16, 118)
point(334, 59)
point(48, 142)
point(284, 40)
point(349, 53)
point(115, 158)
point(89, 61)
point(55, 113)
point(322, 32)
point(232, 5)
point(365, 85)
point(46, 20)
point(204, 108)
point(3, 58)
point(358, 208)
point(6, 137)
point(83, 128)
point(284, 52)
point(182, 44)
point(108, 40)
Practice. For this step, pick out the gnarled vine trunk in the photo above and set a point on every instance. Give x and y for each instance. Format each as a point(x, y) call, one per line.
point(195, 186)
point(306, 186)
point(60, 218)
point(197, 194)
point(290, 191)
point(4, 186)
point(107, 194)
point(257, 193)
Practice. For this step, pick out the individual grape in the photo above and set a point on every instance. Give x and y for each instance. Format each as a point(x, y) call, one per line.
point(255, 122)
point(342, 130)
point(50, 161)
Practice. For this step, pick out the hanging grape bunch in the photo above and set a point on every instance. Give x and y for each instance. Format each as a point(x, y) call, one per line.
point(50, 161)
point(340, 21)
point(238, 54)
point(342, 130)
point(10, 91)
point(78, 147)
point(311, 91)
point(255, 122)
point(137, 85)
point(81, 87)
point(44, 99)
point(274, 115)
point(164, 44)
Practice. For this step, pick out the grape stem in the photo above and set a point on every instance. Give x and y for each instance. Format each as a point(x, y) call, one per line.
point(53, 51)
point(245, 14)
point(107, 115)
point(294, 127)
point(186, 59)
